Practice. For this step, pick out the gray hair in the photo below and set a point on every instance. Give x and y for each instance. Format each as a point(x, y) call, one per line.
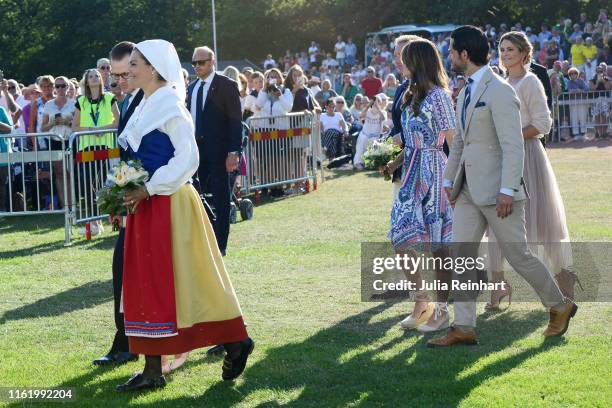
point(102, 61)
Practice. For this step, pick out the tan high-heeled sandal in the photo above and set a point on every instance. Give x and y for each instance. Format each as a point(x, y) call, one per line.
point(498, 295)
point(179, 360)
point(567, 281)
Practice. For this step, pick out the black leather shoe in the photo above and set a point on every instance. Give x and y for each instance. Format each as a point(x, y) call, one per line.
point(116, 357)
point(139, 383)
point(216, 351)
point(233, 367)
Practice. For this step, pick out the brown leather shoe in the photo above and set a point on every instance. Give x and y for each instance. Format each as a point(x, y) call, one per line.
point(559, 321)
point(454, 336)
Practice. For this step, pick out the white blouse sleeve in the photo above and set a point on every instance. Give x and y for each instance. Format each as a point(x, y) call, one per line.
point(286, 100)
point(262, 99)
point(169, 178)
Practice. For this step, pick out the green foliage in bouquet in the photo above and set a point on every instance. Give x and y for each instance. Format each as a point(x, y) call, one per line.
point(124, 177)
point(380, 152)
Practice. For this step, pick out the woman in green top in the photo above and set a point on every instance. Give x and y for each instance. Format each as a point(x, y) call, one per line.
point(348, 90)
point(94, 110)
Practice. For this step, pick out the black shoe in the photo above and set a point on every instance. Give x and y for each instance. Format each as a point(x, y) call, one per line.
point(216, 351)
point(115, 357)
point(233, 367)
point(139, 383)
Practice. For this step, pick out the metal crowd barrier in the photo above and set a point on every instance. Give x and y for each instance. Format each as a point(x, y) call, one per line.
point(34, 176)
point(282, 150)
point(93, 154)
point(578, 113)
point(62, 176)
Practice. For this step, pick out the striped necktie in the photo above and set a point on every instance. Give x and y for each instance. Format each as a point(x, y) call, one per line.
point(466, 101)
point(124, 106)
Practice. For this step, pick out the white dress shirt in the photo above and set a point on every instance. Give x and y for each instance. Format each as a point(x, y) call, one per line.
point(194, 94)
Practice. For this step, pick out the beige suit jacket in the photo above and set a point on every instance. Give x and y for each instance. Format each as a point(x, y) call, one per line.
point(489, 152)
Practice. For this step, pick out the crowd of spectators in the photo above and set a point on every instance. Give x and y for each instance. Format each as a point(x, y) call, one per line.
point(576, 55)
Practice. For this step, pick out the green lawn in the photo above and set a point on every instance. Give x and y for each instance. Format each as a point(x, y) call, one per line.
point(296, 269)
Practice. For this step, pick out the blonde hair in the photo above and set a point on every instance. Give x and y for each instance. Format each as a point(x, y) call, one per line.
point(231, 72)
point(520, 41)
point(405, 39)
point(45, 78)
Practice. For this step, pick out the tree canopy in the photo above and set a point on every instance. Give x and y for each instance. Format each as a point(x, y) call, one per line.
point(67, 36)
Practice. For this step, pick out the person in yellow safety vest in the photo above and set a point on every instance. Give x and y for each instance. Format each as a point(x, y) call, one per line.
point(95, 110)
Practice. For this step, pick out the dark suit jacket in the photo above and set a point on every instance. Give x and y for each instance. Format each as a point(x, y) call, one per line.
point(542, 75)
point(124, 120)
point(396, 112)
point(222, 120)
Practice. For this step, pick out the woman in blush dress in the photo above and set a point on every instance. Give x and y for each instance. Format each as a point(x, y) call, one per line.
point(544, 211)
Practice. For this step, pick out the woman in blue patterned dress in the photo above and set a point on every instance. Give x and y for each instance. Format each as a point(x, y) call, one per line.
point(421, 216)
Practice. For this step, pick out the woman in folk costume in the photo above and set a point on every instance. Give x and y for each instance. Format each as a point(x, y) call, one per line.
point(177, 295)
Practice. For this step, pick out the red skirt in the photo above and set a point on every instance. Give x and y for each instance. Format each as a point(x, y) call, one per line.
point(176, 293)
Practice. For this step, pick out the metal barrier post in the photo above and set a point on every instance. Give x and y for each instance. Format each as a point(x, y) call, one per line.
point(93, 154)
point(577, 113)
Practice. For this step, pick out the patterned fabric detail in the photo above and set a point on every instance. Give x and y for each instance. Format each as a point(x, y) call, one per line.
point(150, 329)
point(421, 213)
point(331, 139)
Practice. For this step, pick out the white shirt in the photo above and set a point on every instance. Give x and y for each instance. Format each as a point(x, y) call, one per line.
point(476, 77)
point(332, 122)
point(67, 112)
point(340, 47)
point(312, 52)
point(194, 94)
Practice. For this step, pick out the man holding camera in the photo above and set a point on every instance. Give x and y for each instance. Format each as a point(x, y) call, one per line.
point(214, 103)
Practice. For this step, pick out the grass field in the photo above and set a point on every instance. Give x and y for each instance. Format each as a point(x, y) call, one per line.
point(296, 269)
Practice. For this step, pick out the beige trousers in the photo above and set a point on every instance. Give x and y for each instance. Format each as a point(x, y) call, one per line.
point(469, 224)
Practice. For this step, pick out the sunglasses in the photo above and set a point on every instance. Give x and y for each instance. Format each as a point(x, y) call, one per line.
point(10, 87)
point(340, 103)
point(200, 62)
point(122, 75)
point(60, 86)
point(105, 67)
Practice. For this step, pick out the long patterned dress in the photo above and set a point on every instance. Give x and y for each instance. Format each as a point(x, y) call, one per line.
point(421, 212)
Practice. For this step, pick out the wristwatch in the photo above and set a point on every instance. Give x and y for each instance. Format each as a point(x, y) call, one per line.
point(237, 153)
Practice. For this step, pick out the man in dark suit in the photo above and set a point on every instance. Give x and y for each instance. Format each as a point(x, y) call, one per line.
point(542, 74)
point(120, 62)
point(214, 103)
point(396, 113)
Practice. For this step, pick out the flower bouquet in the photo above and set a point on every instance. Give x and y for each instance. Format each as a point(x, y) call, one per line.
point(379, 152)
point(124, 177)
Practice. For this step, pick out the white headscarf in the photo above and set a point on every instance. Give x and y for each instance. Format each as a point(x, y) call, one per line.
point(166, 103)
point(162, 55)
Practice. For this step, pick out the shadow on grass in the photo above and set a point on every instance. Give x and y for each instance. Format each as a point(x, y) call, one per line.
point(345, 364)
point(82, 297)
point(332, 174)
point(33, 224)
point(349, 363)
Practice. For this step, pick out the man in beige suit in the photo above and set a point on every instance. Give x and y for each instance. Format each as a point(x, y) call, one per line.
point(483, 179)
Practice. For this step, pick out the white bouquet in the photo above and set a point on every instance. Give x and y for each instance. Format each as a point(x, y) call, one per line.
point(124, 177)
point(379, 152)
